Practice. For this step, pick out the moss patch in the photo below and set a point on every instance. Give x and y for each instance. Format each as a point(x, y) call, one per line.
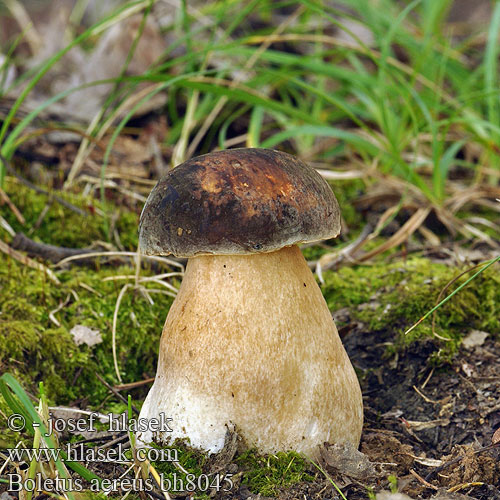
point(64, 227)
point(34, 349)
point(268, 474)
point(189, 459)
point(32, 346)
point(396, 295)
point(189, 473)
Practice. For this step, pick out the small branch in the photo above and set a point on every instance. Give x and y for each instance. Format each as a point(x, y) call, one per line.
point(459, 459)
point(133, 385)
point(18, 215)
point(422, 480)
point(115, 392)
point(27, 261)
point(47, 252)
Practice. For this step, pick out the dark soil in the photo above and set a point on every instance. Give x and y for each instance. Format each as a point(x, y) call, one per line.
point(413, 411)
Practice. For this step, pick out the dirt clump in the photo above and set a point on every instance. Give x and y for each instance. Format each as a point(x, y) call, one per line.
point(470, 466)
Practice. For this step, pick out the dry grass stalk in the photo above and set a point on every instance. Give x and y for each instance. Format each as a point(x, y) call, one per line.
point(28, 262)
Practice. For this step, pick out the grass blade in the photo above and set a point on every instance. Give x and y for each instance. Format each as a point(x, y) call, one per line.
point(446, 299)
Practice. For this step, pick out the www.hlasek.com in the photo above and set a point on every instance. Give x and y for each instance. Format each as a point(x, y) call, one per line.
point(80, 453)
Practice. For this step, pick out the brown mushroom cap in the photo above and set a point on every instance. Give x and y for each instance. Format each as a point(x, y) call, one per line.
point(238, 201)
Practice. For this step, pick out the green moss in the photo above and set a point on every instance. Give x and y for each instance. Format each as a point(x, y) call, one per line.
point(264, 474)
point(187, 474)
point(64, 227)
point(33, 348)
point(190, 459)
point(267, 475)
point(396, 295)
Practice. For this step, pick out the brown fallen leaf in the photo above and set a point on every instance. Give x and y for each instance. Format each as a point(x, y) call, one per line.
point(496, 437)
point(347, 460)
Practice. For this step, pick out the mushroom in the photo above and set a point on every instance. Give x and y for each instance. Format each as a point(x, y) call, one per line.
point(249, 342)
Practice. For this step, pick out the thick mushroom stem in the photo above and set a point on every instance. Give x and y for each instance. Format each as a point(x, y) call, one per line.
point(249, 341)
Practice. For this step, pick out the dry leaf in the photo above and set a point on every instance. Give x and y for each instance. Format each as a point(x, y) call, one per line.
point(85, 335)
point(420, 426)
point(474, 338)
point(348, 460)
point(496, 437)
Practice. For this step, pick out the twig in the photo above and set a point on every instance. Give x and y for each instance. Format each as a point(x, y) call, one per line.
point(116, 393)
point(459, 459)
point(119, 439)
point(424, 397)
point(51, 253)
point(96, 439)
point(422, 480)
point(18, 215)
point(133, 385)
point(28, 262)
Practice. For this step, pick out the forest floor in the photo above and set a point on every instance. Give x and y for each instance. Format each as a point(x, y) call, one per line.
point(394, 103)
point(431, 400)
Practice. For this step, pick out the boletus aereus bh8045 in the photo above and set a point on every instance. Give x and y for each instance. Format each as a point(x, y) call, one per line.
point(249, 340)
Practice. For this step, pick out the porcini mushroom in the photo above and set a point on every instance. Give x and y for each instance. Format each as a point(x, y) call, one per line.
point(249, 340)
